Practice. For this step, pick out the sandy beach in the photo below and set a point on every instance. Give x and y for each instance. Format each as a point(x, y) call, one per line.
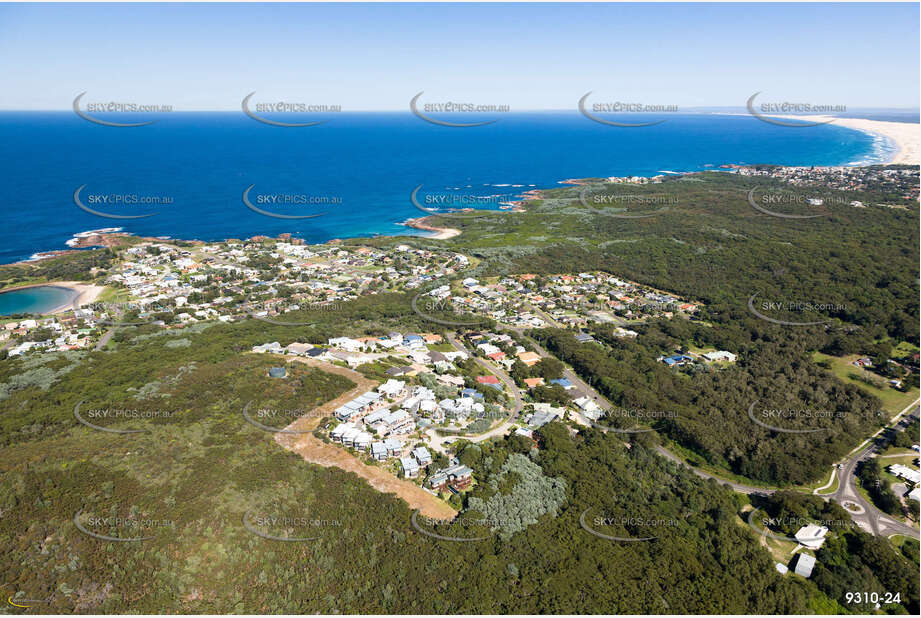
point(905, 135)
point(441, 233)
point(88, 293)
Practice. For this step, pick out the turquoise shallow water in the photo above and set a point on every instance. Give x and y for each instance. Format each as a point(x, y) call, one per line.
point(40, 299)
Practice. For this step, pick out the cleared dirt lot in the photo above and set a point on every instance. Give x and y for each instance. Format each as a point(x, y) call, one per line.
point(318, 452)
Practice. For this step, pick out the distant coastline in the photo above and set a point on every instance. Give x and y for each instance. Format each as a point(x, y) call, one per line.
point(903, 139)
point(904, 136)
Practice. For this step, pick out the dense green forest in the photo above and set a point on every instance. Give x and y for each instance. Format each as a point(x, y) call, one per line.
point(197, 472)
point(195, 469)
point(707, 411)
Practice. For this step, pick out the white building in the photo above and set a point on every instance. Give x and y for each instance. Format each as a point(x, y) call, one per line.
point(392, 388)
point(904, 472)
point(588, 408)
point(720, 355)
point(811, 536)
point(804, 565)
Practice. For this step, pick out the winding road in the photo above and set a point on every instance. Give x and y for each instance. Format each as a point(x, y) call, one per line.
point(871, 519)
point(437, 440)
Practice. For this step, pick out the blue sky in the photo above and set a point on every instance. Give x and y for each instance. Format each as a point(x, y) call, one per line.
point(537, 56)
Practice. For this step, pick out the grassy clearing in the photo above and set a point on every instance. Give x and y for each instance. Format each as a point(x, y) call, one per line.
point(894, 401)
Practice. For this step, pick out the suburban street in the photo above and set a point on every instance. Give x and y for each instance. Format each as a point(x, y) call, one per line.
point(438, 440)
point(580, 387)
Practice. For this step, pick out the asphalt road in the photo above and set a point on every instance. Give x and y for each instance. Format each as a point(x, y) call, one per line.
point(580, 387)
point(872, 519)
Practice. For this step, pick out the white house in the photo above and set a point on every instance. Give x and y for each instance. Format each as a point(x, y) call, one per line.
point(410, 467)
point(904, 472)
point(345, 343)
point(811, 536)
point(589, 408)
point(392, 388)
point(720, 355)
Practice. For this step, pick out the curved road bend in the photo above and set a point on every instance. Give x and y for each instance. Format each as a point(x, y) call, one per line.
point(872, 520)
point(437, 441)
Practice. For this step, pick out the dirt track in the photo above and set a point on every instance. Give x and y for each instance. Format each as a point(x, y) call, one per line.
point(318, 452)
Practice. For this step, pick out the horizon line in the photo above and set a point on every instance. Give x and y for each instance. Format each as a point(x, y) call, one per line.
point(523, 110)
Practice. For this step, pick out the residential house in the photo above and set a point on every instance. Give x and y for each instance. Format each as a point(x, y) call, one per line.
point(533, 382)
point(589, 408)
point(422, 455)
point(457, 476)
point(811, 536)
point(410, 467)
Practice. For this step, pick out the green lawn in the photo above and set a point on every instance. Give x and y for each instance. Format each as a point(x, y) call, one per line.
point(893, 401)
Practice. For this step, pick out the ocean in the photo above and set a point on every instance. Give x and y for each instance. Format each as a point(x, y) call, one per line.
point(357, 169)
